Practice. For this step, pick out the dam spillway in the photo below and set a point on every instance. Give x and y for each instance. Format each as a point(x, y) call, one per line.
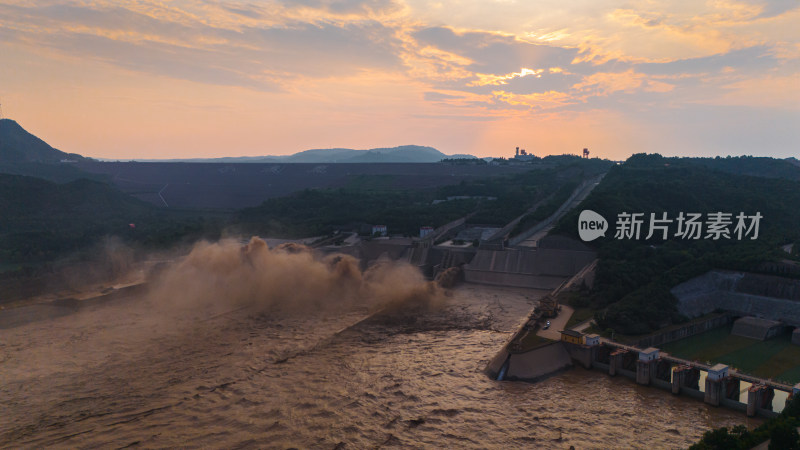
point(716, 385)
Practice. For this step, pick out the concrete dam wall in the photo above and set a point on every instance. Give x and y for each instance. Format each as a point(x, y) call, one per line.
point(533, 365)
point(746, 294)
point(539, 268)
point(757, 328)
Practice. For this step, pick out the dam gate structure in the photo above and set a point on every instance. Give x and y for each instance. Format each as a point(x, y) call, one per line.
point(716, 385)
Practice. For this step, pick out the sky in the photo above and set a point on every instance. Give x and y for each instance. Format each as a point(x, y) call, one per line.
point(193, 78)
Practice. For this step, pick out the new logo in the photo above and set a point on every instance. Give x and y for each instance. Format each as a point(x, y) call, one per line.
point(591, 225)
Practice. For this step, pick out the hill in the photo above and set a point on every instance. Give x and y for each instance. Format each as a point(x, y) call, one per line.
point(401, 154)
point(22, 153)
point(405, 207)
point(634, 276)
point(19, 146)
point(746, 165)
point(231, 186)
point(406, 153)
point(42, 220)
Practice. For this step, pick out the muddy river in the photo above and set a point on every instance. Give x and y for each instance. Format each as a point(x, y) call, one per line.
point(122, 374)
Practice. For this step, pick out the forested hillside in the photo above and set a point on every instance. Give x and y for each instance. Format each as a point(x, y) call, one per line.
point(634, 275)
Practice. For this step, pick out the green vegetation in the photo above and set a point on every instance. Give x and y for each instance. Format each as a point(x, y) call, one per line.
point(317, 212)
point(775, 358)
point(55, 172)
point(45, 224)
point(374, 200)
point(547, 209)
point(578, 316)
point(579, 302)
point(750, 165)
point(634, 276)
point(465, 161)
point(531, 341)
point(516, 194)
point(781, 430)
point(42, 221)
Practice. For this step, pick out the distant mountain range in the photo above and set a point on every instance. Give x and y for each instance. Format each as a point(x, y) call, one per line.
point(401, 154)
point(17, 146)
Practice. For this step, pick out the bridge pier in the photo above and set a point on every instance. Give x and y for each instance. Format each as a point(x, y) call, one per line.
point(759, 396)
point(679, 378)
point(645, 365)
point(722, 386)
point(615, 361)
point(753, 396)
point(715, 384)
point(713, 392)
point(643, 372)
point(692, 378)
point(732, 388)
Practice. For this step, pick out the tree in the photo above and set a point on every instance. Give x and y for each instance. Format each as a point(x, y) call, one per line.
point(784, 436)
point(718, 439)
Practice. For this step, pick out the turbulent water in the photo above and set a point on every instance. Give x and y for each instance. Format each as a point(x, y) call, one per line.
point(118, 375)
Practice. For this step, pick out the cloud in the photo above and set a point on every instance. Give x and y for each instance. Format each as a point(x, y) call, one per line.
point(383, 61)
point(348, 6)
point(604, 84)
point(183, 46)
point(440, 96)
point(536, 101)
point(494, 52)
point(751, 59)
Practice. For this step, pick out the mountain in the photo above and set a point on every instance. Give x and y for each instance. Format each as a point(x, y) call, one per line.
point(404, 154)
point(22, 153)
point(401, 154)
point(324, 155)
point(19, 146)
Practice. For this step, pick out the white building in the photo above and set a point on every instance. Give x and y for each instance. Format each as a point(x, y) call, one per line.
point(718, 372)
point(379, 230)
point(648, 354)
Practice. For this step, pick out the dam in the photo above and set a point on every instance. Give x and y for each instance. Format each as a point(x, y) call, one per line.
point(716, 385)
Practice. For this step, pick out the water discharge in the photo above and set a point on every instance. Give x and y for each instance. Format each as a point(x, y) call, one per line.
point(202, 362)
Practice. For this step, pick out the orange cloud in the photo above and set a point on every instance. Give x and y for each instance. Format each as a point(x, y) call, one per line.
point(491, 79)
point(376, 72)
point(537, 101)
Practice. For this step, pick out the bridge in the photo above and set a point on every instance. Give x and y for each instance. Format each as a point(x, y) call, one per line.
point(722, 385)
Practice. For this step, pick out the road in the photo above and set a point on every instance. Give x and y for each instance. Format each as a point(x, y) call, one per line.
point(533, 241)
point(557, 324)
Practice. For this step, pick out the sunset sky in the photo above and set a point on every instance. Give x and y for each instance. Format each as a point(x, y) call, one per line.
point(179, 79)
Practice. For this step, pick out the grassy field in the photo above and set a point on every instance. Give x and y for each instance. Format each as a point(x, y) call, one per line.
point(775, 358)
point(580, 315)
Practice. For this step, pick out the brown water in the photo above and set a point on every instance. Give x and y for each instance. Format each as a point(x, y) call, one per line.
point(119, 375)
